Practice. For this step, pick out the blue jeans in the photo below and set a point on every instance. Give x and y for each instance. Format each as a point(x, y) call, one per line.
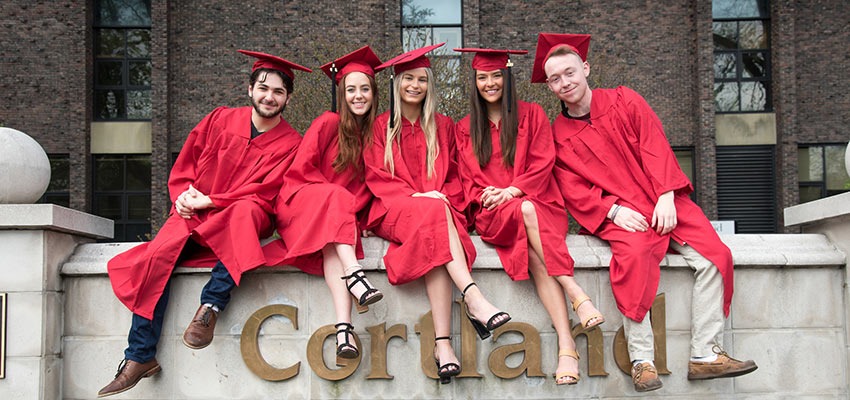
point(144, 333)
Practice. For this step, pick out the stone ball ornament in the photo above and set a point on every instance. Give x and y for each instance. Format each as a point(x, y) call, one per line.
point(24, 168)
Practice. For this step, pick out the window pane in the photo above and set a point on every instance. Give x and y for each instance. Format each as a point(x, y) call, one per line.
point(138, 173)
point(139, 104)
point(452, 36)
point(110, 42)
point(139, 43)
point(414, 38)
point(836, 174)
point(725, 35)
point(724, 65)
point(109, 171)
point(137, 233)
point(123, 12)
point(753, 96)
point(753, 65)
point(63, 200)
point(139, 207)
point(427, 12)
point(60, 170)
point(108, 206)
point(109, 104)
point(140, 73)
point(686, 162)
point(752, 35)
point(725, 96)
point(809, 193)
point(810, 164)
point(739, 9)
point(109, 73)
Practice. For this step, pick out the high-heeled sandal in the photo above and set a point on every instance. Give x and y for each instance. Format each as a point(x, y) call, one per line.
point(575, 376)
point(444, 371)
point(484, 330)
point(365, 299)
point(585, 322)
point(346, 349)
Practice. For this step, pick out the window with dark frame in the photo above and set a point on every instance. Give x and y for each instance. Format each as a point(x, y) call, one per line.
point(59, 189)
point(741, 30)
point(122, 60)
point(122, 192)
point(427, 22)
point(821, 171)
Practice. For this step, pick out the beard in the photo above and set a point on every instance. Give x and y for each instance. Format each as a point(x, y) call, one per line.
point(267, 114)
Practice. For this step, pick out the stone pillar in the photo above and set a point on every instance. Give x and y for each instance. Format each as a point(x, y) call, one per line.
point(35, 240)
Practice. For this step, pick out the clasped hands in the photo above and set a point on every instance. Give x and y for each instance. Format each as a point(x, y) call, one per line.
point(663, 217)
point(493, 197)
point(190, 202)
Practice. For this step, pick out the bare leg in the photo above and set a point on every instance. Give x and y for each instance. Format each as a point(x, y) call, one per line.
point(439, 288)
point(574, 291)
point(333, 268)
point(458, 269)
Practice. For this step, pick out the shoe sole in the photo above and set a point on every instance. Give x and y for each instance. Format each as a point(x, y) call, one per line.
point(193, 347)
point(372, 300)
point(730, 374)
point(650, 386)
point(149, 373)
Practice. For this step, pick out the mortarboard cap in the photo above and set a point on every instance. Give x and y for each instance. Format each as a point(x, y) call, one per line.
point(276, 63)
point(410, 60)
point(361, 60)
point(547, 43)
point(489, 59)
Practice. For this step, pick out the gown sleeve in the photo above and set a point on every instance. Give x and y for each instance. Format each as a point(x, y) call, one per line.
point(382, 184)
point(183, 171)
point(540, 156)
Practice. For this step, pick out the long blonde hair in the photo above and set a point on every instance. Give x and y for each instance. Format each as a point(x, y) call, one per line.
point(427, 122)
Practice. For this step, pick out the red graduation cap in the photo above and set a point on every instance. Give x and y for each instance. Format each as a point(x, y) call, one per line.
point(547, 43)
point(361, 60)
point(410, 60)
point(276, 63)
point(489, 59)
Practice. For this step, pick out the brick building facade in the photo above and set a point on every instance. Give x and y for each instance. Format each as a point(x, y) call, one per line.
point(666, 51)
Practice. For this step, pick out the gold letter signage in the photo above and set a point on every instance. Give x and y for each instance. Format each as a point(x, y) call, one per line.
point(251, 348)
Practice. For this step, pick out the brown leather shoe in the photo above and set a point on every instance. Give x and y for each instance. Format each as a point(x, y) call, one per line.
point(723, 367)
point(129, 374)
point(645, 377)
point(200, 331)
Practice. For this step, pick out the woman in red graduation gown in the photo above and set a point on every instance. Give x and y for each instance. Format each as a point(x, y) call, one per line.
point(411, 168)
point(506, 155)
point(324, 192)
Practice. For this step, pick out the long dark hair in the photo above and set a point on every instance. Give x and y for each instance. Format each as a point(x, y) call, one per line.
point(353, 137)
point(479, 124)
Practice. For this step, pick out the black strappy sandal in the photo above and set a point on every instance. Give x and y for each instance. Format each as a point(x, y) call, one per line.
point(360, 277)
point(346, 349)
point(484, 330)
point(444, 371)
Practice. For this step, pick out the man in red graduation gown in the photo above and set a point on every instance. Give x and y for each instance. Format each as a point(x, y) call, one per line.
point(223, 186)
point(622, 183)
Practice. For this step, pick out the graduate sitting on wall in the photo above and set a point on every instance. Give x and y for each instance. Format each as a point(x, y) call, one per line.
point(506, 155)
point(322, 206)
point(622, 183)
point(223, 187)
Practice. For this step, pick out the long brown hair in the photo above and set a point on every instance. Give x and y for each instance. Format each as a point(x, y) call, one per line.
point(354, 137)
point(427, 122)
point(479, 124)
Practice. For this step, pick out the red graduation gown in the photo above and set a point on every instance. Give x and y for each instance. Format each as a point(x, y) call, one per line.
point(622, 156)
point(531, 173)
point(241, 176)
point(317, 205)
point(415, 226)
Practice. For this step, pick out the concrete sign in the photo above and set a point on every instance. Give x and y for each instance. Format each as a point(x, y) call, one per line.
point(2, 335)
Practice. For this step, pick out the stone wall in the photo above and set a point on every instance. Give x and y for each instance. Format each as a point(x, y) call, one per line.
point(787, 315)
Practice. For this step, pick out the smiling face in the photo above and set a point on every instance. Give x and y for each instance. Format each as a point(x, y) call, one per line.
point(566, 76)
point(358, 93)
point(489, 84)
point(268, 95)
point(414, 86)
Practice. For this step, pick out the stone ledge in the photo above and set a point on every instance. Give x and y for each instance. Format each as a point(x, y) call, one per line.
point(55, 218)
point(818, 210)
point(748, 251)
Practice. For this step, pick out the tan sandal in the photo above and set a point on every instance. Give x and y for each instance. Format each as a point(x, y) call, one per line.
point(575, 376)
point(585, 322)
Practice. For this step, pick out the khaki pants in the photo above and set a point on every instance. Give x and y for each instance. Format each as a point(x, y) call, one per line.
point(706, 311)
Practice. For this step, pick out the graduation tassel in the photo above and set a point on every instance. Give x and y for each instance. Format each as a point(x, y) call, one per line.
point(333, 87)
point(392, 104)
point(510, 78)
